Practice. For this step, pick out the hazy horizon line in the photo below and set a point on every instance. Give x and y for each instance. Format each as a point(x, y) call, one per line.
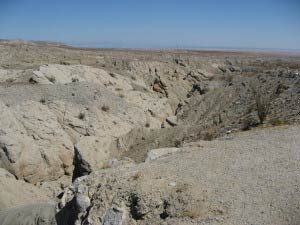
point(112, 45)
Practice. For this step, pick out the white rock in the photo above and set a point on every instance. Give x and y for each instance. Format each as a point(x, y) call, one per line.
point(82, 202)
point(172, 120)
point(157, 153)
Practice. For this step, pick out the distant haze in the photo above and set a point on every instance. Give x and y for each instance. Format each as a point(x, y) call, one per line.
point(264, 24)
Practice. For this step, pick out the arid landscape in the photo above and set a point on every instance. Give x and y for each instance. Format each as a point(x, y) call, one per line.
point(130, 136)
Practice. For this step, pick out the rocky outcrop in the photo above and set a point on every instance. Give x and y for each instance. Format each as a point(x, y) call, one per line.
point(41, 126)
point(34, 147)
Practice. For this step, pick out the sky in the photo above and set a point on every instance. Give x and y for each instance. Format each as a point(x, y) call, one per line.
point(261, 24)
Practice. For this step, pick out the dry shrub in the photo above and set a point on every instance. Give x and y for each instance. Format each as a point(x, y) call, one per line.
point(105, 108)
point(137, 175)
point(278, 122)
point(262, 101)
point(10, 80)
point(52, 79)
point(191, 213)
point(178, 143)
point(210, 134)
point(43, 100)
point(182, 188)
point(105, 165)
point(248, 123)
point(64, 63)
point(112, 74)
point(81, 115)
point(75, 79)
point(228, 78)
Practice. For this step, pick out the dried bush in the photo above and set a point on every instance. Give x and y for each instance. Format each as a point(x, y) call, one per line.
point(105, 108)
point(210, 134)
point(263, 106)
point(137, 175)
point(81, 115)
point(178, 143)
point(74, 80)
point(52, 79)
point(191, 213)
point(43, 100)
point(10, 80)
point(248, 123)
point(262, 100)
point(278, 122)
point(112, 74)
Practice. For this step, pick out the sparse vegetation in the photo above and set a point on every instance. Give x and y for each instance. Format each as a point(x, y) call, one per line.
point(81, 116)
point(75, 79)
point(191, 213)
point(112, 74)
point(182, 188)
point(105, 165)
point(210, 133)
point(137, 175)
point(278, 122)
point(262, 100)
point(64, 63)
point(10, 80)
point(263, 106)
point(43, 100)
point(248, 123)
point(178, 143)
point(227, 77)
point(105, 108)
point(52, 79)
point(32, 81)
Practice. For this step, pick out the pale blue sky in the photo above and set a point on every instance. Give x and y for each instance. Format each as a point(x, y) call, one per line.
point(155, 23)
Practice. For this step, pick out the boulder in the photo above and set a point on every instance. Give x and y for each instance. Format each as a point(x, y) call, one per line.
point(91, 153)
point(172, 120)
point(114, 216)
